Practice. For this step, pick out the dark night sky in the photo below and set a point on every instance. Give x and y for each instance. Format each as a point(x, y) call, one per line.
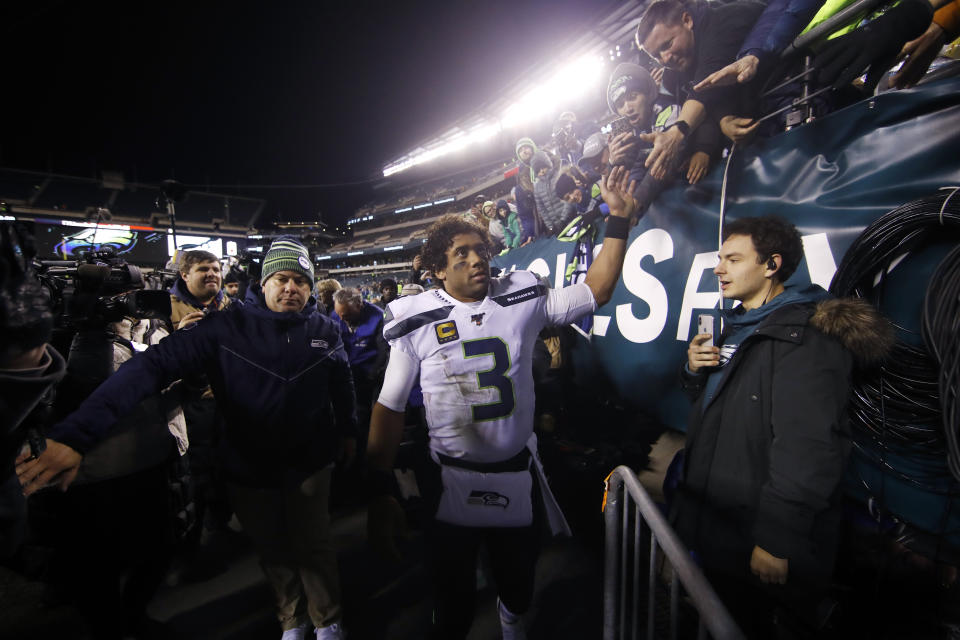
point(233, 92)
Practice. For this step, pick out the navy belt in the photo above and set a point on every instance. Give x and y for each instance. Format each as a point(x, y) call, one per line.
point(519, 462)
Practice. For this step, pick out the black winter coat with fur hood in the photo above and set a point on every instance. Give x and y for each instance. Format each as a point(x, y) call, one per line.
point(764, 459)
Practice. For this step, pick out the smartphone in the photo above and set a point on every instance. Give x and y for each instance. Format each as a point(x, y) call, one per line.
point(705, 325)
point(616, 127)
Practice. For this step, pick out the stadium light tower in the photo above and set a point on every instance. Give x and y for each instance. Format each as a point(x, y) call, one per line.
point(568, 83)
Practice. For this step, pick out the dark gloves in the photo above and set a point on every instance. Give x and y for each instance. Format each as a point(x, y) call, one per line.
point(875, 45)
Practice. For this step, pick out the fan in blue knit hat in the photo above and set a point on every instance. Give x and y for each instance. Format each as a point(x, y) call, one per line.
point(287, 254)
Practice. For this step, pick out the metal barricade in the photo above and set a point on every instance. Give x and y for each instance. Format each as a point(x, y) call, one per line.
point(628, 510)
point(800, 111)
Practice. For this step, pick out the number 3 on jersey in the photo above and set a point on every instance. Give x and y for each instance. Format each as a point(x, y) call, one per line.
point(492, 378)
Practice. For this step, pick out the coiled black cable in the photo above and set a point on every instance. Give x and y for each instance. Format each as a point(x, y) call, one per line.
point(901, 403)
point(941, 334)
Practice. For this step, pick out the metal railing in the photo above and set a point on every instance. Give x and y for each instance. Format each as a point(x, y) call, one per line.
point(800, 110)
point(628, 511)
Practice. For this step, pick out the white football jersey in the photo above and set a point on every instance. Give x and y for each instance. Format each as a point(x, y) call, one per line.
point(476, 360)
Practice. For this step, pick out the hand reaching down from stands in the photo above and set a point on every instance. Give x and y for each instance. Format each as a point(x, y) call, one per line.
point(740, 130)
point(58, 462)
point(740, 71)
point(666, 148)
point(769, 569)
point(919, 54)
point(873, 47)
point(668, 144)
point(698, 166)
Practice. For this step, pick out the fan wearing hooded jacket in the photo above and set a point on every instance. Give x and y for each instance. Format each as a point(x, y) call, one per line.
point(768, 437)
point(523, 192)
point(554, 212)
point(512, 232)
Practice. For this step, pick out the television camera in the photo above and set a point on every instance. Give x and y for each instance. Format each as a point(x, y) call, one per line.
point(98, 289)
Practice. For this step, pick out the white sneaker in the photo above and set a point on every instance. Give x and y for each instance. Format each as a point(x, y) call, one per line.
point(333, 632)
point(511, 624)
point(297, 633)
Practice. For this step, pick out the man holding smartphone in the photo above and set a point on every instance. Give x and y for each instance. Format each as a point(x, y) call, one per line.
point(767, 441)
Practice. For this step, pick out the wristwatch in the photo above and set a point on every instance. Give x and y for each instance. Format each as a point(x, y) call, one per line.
point(682, 126)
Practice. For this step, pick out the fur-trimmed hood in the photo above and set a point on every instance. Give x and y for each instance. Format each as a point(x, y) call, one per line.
point(857, 325)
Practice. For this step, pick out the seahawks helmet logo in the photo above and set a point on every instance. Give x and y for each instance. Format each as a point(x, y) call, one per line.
point(488, 499)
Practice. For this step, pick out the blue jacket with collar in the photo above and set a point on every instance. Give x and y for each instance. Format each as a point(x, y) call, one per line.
point(362, 347)
point(281, 380)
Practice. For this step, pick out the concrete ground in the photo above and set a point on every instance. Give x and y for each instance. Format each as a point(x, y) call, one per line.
point(381, 602)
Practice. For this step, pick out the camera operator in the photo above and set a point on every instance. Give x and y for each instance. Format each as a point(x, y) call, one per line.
point(114, 532)
point(29, 369)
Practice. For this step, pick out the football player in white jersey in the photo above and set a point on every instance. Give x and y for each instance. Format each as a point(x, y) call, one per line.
point(470, 345)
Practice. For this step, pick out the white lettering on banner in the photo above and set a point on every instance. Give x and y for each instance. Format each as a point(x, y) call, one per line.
point(820, 261)
point(658, 244)
point(540, 267)
point(693, 298)
point(600, 324)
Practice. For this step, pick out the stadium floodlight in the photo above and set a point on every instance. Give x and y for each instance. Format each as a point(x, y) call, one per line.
point(570, 81)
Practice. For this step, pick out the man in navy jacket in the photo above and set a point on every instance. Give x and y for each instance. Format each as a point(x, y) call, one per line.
point(768, 438)
point(361, 328)
point(281, 377)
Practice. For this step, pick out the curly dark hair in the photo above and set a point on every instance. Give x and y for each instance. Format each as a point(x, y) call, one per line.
point(770, 235)
point(440, 238)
